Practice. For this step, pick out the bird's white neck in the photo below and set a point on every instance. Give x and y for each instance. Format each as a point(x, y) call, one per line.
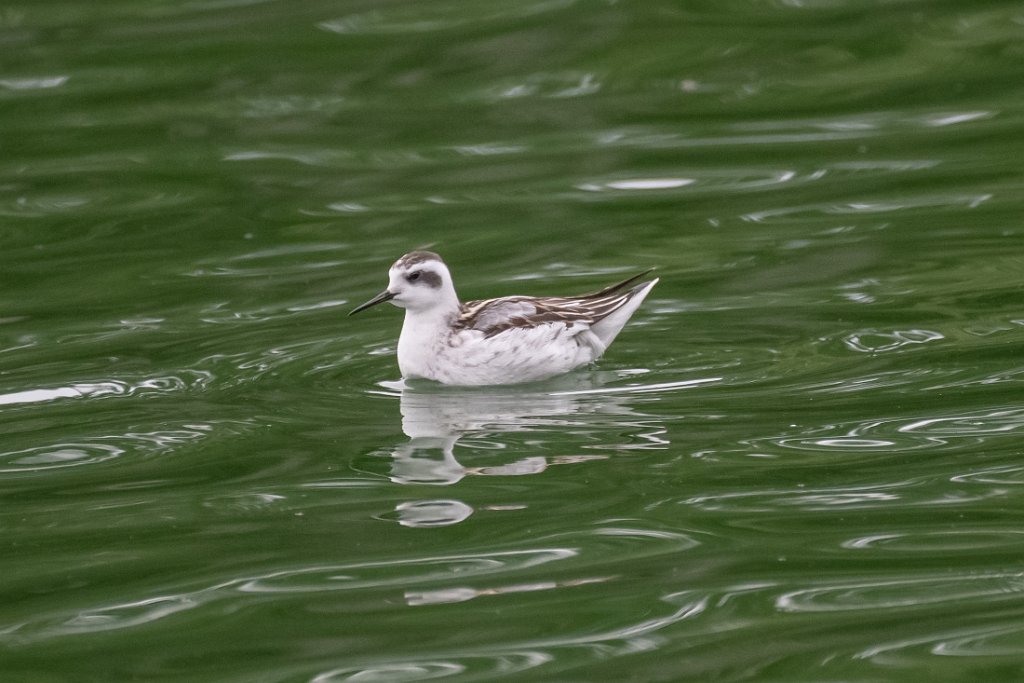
point(423, 332)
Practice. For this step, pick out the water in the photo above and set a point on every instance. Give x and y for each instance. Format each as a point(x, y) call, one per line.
point(800, 462)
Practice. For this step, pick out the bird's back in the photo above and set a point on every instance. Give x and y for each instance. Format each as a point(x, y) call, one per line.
point(606, 310)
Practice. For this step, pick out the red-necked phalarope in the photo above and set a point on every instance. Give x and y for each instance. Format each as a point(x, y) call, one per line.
point(508, 340)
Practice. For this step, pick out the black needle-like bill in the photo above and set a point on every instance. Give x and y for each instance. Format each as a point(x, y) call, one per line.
point(379, 299)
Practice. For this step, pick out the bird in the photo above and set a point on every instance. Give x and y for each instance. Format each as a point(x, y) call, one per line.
point(507, 340)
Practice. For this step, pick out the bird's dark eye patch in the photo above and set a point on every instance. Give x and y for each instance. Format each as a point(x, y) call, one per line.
point(424, 278)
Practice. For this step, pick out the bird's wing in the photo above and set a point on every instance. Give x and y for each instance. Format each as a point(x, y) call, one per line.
point(494, 316)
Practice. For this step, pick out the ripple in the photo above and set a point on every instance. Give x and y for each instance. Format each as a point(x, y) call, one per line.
point(641, 388)
point(740, 179)
point(610, 544)
point(429, 580)
point(409, 671)
point(890, 435)
point(114, 617)
point(888, 379)
point(942, 119)
point(243, 502)
point(842, 442)
point(972, 201)
point(427, 670)
point(282, 261)
point(994, 641)
point(57, 456)
point(223, 314)
point(125, 615)
point(639, 184)
point(438, 16)
point(39, 83)
point(998, 421)
point(96, 450)
point(1003, 475)
point(871, 596)
point(401, 572)
point(291, 105)
point(885, 495)
point(893, 122)
point(43, 395)
point(432, 513)
point(546, 85)
point(315, 158)
point(877, 341)
point(489, 149)
point(667, 541)
point(461, 594)
point(886, 165)
point(243, 368)
point(108, 206)
point(185, 381)
point(43, 205)
point(319, 579)
point(990, 640)
point(654, 139)
point(940, 541)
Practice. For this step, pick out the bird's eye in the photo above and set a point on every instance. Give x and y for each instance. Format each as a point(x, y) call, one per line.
point(413, 277)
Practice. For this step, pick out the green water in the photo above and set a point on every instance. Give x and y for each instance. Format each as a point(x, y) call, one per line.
point(800, 462)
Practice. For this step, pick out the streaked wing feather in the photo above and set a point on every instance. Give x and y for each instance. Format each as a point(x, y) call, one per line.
point(494, 316)
point(482, 315)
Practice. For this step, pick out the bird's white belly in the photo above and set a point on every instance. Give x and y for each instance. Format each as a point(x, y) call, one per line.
point(467, 357)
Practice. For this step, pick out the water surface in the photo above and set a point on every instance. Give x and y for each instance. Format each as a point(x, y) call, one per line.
point(800, 462)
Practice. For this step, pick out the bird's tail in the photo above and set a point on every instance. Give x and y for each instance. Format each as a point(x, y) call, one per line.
point(609, 327)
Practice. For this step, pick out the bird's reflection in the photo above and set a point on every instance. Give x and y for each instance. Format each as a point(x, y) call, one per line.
point(435, 419)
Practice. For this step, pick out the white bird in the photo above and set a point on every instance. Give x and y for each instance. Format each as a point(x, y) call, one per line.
point(508, 340)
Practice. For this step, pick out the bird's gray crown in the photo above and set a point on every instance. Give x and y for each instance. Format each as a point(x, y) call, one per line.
point(416, 257)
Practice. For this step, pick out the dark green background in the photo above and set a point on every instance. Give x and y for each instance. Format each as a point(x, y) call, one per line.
point(800, 462)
